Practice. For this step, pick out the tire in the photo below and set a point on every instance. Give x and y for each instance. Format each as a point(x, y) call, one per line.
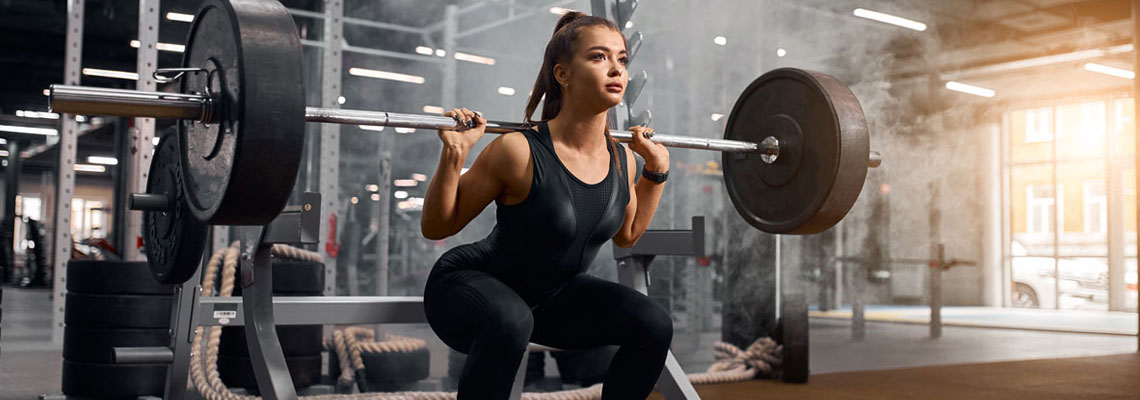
point(106, 381)
point(113, 277)
point(296, 340)
point(104, 311)
point(96, 345)
point(584, 367)
point(1024, 296)
point(295, 278)
point(396, 367)
point(237, 371)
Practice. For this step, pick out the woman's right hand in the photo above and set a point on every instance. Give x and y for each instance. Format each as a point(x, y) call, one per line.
point(465, 138)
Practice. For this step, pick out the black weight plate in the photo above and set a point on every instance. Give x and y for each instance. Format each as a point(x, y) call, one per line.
point(824, 152)
point(236, 371)
point(794, 336)
point(113, 277)
point(95, 345)
point(174, 239)
point(104, 311)
point(241, 169)
point(112, 381)
point(295, 278)
point(296, 340)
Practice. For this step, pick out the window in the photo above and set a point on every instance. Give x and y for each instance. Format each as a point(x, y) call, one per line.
point(1042, 215)
point(1096, 207)
point(1038, 125)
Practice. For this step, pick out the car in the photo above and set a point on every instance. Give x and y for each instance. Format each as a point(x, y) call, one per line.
point(1083, 282)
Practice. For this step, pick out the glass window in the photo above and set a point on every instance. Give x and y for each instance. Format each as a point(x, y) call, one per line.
point(1095, 207)
point(1080, 131)
point(1123, 128)
point(1038, 125)
point(1031, 135)
point(1041, 209)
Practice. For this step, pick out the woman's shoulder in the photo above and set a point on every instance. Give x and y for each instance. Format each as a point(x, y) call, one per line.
point(511, 150)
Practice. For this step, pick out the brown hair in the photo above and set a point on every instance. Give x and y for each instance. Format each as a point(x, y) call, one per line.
point(559, 50)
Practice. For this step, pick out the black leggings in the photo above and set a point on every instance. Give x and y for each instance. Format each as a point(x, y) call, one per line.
point(477, 314)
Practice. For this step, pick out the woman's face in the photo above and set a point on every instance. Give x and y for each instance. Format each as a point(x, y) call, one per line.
point(596, 77)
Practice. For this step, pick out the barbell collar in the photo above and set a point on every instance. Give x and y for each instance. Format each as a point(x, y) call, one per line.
point(148, 202)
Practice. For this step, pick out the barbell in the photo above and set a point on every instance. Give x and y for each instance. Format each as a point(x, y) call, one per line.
point(795, 147)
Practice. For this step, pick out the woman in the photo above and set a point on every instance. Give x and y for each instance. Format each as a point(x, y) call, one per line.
point(562, 189)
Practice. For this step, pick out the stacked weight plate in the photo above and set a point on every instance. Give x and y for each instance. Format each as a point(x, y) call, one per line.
point(113, 304)
point(301, 344)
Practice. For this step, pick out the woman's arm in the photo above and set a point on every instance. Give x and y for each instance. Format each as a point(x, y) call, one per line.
point(643, 200)
point(454, 199)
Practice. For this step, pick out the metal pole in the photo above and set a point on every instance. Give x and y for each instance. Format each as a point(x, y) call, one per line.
point(1114, 198)
point(136, 163)
point(938, 261)
point(11, 190)
point(65, 174)
point(383, 220)
point(330, 136)
point(448, 81)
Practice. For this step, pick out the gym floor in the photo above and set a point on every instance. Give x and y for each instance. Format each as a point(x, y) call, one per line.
point(29, 363)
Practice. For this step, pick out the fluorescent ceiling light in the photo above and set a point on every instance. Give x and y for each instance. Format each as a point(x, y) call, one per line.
point(433, 109)
point(970, 89)
point(340, 100)
point(559, 10)
point(371, 73)
point(781, 52)
point(1107, 70)
point(375, 197)
point(720, 40)
point(47, 92)
point(441, 52)
point(106, 73)
point(376, 128)
point(506, 91)
point(405, 130)
point(36, 114)
point(628, 24)
point(173, 48)
point(3, 141)
point(400, 194)
point(180, 17)
point(3, 153)
point(103, 160)
point(424, 50)
point(717, 117)
point(154, 141)
point(90, 168)
point(474, 58)
point(405, 183)
point(28, 130)
point(419, 177)
point(372, 187)
point(890, 19)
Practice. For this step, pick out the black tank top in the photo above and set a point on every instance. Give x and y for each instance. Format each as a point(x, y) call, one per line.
point(555, 233)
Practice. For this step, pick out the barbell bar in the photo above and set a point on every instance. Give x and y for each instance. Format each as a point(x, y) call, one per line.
point(200, 109)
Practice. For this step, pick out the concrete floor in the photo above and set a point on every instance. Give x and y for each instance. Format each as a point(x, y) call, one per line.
point(29, 363)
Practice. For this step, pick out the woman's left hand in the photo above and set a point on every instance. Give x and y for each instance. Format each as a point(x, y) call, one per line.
point(656, 155)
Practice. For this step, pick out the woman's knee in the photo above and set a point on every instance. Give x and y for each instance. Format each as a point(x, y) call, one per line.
point(509, 324)
point(656, 325)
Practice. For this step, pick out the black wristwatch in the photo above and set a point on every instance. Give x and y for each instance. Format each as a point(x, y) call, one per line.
point(658, 177)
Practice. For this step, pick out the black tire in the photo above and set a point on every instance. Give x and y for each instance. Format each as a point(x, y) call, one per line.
point(113, 277)
point(109, 381)
point(295, 278)
point(396, 367)
point(584, 367)
point(96, 345)
point(103, 311)
point(296, 340)
point(238, 372)
point(1024, 296)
